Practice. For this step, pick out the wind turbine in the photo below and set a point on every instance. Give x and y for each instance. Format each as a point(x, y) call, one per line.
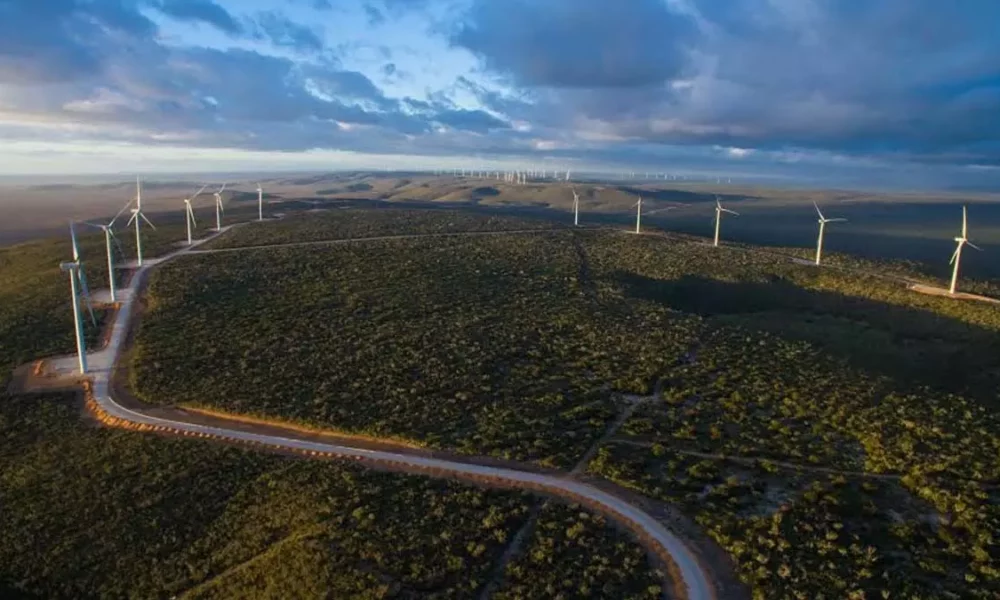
point(638, 214)
point(260, 203)
point(576, 209)
point(567, 174)
point(718, 218)
point(822, 228)
point(136, 217)
point(109, 236)
point(219, 209)
point(78, 287)
point(962, 241)
point(189, 213)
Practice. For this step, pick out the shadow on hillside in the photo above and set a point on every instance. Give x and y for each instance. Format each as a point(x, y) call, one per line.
point(911, 345)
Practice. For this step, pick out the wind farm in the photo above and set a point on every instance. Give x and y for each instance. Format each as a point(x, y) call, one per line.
point(491, 300)
point(493, 255)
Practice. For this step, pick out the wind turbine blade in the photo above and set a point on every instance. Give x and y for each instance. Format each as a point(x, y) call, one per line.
point(131, 220)
point(223, 188)
point(121, 249)
point(965, 222)
point(732, 212)
point(147, 220)
point(971, 245)
point(115, 218)
point(819, 212)
point(85, 290)
point(191, 214)
point(954, 256)
point(836, 220)
point(199, 192)
point(718, 203)
point(72, 237)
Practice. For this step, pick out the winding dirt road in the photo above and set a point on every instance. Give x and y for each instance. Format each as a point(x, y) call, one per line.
point(692, 581)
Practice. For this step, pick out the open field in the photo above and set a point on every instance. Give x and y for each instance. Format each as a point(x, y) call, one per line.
point(91, 512)
point(772, 386)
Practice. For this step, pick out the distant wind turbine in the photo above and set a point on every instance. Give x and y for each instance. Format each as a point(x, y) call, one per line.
point(963, 240)
point(189, 213)
point(260, 203)
point(219, 209)
point(718, 218)
point(822, 229)
point(109, 237)
point(137, 216)
point(576, 208)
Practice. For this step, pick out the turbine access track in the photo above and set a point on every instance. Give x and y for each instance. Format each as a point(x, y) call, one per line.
point(689, 579)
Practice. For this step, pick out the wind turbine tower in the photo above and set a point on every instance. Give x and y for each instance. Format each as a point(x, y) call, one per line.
point(822, 229)
point(718, 218)
point(963, 241)
point(138, 216)
point(219, 209)
point(189, 213)
point(109, 236)
point(260, 203)
point(638, 216)
point(576, 209)
point(78, 288)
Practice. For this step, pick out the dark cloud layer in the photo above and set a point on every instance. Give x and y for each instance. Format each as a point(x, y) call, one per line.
point(642, 81)
point(918, 78)
point(200, 11)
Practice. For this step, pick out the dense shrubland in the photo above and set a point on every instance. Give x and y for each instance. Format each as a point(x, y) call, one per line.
point(342, 223)
point(481, 345)
point(516, 347)
point(89, 512)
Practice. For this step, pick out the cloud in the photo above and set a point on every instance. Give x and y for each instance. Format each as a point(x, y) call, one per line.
point(200, 11)
point(284, 33)
point(913, 79)
point(577, 43)
point(374, 15)
point(55, 42)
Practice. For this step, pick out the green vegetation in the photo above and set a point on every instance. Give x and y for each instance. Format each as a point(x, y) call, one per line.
point(99, 512)
point(801, 534)
point(353, 223)
point(559, 561)
point(91, 512)
point(515, 346)
point(475, 344)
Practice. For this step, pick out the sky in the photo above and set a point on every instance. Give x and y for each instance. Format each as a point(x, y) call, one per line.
point(899, 93)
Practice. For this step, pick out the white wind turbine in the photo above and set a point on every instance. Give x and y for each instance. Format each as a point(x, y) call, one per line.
point(718, 218)
point(260, 203)
point(576, 208)
point(962, 241)
point(109, 237)
point(138, 216)
point(822, 229)
point(189, 213)
point(639, 213)
point(79, 290)
point(219, 209)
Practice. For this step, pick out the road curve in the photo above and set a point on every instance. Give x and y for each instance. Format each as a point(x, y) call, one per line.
point(693, 582)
